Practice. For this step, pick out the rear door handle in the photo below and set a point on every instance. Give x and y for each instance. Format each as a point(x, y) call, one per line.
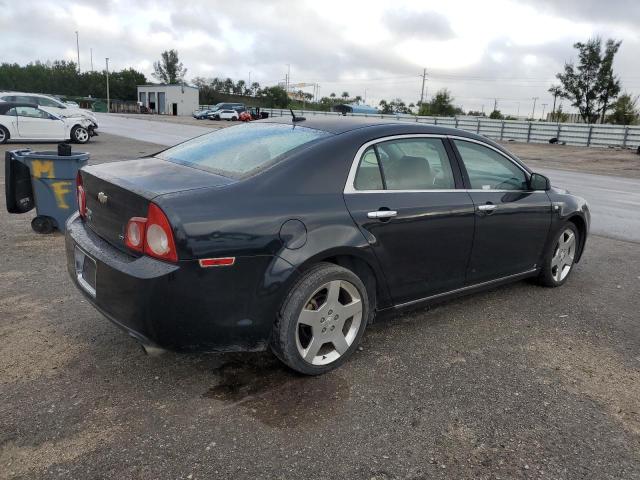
point(488, 208)
point(382, 214)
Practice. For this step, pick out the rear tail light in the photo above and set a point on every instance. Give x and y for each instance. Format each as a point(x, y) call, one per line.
point(135, 233)
point(81, 195)
point(152, 235)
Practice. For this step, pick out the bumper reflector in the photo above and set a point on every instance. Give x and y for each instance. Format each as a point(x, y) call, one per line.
point(217, 262)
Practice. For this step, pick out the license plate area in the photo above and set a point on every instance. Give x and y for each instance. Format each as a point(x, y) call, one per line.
point(85, 271)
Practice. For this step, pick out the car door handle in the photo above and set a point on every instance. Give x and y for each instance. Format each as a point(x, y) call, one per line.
point(488, 208)
point(382, 214)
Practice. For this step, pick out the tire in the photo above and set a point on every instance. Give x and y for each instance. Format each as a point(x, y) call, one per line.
point(217, 117)
point(4, 135)
point(327, 340)
point(42, 224)
point(234, 118)
point(79, 134)
point(558, 260)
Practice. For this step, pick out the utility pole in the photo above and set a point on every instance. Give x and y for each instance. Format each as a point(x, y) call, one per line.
point(249, 86)
point(108, 104)
point(288, 77)
point(424, 78)
point(365, 97)
point(495, 104)
point(533, 113)
point(91, 54)
point(544, 105)
point(78, 50)
point(518, 114)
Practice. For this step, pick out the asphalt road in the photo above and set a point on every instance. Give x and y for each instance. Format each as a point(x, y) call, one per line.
point(614, 201)
point(519, 382)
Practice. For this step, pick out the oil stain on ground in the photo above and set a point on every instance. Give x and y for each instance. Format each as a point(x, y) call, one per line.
point(277, 396)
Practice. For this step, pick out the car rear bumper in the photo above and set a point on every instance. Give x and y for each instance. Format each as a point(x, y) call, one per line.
point(181, 306)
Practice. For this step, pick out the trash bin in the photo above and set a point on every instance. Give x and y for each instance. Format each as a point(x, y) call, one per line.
point(46, 181)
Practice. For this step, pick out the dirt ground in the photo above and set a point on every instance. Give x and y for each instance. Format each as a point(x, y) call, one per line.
point(602, 161)
point(519, 382)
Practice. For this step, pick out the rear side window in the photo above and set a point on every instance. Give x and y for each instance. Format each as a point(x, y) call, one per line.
point(405, 164)
point(242, 150)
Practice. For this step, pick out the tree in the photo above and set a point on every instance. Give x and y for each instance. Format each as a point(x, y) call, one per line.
point(333, 95)
point(556, 91)
point(169, 69)
point(592, 85)
point(345, 95)
point(496, 115)
point(227, 85)
point(255, 86)
point(275, 97)
point(357, 99)
point(625, 111)
point(441, 104)
point(476, 113)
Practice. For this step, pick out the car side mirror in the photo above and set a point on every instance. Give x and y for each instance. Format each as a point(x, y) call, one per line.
point(539, 182)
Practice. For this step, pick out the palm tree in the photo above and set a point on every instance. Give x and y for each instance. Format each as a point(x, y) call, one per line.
point(358, 99)
point(556, 91)
point(255, 86)
point(345, 95)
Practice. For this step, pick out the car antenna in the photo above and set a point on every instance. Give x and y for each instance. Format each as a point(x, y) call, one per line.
point(294, 118)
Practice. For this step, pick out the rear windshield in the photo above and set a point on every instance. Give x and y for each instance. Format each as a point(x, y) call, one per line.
point(240, 151)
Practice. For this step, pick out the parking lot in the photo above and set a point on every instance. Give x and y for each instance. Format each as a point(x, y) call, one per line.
point(518, 382)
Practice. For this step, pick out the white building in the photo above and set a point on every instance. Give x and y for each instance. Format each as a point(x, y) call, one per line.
point(169, 99)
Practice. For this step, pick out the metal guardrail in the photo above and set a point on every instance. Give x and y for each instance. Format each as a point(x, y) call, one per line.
point(578, 134)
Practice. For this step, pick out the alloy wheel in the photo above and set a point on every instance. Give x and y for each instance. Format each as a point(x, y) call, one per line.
point(563, 255)
point(329, 322)
point(82, 135)
point(2, 135)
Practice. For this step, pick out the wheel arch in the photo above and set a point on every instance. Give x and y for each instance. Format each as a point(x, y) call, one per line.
point(581, 225)
point(366, 268)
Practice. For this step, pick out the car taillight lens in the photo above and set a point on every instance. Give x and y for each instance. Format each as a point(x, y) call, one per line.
point(135, 233)
point(81, 195)
point(152, 235)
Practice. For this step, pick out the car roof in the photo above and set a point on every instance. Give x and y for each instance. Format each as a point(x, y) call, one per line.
point(6, 106)
point(341, 124)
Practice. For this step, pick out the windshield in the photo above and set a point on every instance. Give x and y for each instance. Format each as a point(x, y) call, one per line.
point(239, 151)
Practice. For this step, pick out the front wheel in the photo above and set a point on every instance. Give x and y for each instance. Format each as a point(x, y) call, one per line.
point(559, 259)
point(4, 135)
point(322, 320)
point(80, 134)
point(43, 225)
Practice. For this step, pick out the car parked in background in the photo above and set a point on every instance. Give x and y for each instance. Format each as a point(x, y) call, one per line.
point(225, 106)
point(202, 114)
point(71, 104)
point(49, 104)
point(295, 234)
point(25, 121)
point(226, 115)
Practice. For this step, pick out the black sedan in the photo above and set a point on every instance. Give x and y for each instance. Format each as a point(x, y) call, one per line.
point(294, 235)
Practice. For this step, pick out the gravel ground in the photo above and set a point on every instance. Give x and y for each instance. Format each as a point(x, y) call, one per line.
point(518, 382)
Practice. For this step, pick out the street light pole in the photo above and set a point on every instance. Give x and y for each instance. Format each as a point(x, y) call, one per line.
point(108, 102)
point(78, 50)
point(533, 113)
point(544, 106)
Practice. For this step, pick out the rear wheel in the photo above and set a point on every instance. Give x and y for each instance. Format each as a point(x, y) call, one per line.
point(322, 320)
point(234, 118)
point(4, 135)
point(42, 224)
point(79, 134)
point(558, 260)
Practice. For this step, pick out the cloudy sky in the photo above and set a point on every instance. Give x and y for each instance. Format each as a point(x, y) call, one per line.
point(480, 50)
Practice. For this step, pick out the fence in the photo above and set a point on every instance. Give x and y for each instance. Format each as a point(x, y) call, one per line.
point(579, 134)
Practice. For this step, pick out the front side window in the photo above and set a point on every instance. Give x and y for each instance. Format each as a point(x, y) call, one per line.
point(489, 170)
point(242, 150)
point(405, 164)
point(47, 102)
point(31, 112)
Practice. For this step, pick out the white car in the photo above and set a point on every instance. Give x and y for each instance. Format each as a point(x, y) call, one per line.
point(49, 104)
point(226, 115)
point(24, 121)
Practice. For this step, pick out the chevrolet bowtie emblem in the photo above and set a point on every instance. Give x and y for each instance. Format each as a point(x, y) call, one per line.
point(102, 198)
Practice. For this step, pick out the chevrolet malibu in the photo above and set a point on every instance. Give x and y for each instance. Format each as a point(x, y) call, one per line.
point(294, 234)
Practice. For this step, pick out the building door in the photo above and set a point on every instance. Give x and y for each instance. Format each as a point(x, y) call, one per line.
point(175, 108)
point(161, 98)
point(152, 101)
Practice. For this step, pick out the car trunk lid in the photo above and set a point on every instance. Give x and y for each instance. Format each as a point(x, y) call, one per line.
point(117, 191)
